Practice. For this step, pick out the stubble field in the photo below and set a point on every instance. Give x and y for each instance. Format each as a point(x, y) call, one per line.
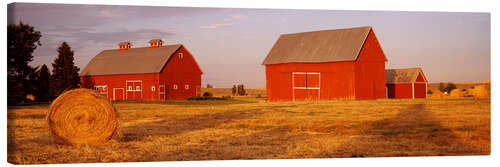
point(249, 128)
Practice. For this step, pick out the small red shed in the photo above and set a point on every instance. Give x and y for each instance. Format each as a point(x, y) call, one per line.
point(409, 83)
point(329, 64)
point(156, 72)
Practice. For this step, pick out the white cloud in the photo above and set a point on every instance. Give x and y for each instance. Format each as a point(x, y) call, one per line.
point(212, 26)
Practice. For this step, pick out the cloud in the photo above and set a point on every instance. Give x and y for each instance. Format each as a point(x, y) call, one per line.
point(212, 26)
point(239, 17)
point(106, 14)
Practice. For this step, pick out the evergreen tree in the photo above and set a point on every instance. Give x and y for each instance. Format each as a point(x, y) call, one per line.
point(22, 40)
point(64, 72)
point(42, 93)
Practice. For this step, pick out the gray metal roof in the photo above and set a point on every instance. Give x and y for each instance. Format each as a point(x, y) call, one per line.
point(405, 75)
point(318, 46)
point(131, 61)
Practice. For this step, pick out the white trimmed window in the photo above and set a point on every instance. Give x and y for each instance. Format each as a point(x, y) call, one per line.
point(175, 87)
point(186, 86)
point(137, 87)
point(181, 56)
point(104, 88)
point(130, 88)
point(153, 88)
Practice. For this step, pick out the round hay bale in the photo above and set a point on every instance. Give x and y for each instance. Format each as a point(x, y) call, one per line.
point(82, 116)
point(437, 94)
point(479, 91)
point(457, 93)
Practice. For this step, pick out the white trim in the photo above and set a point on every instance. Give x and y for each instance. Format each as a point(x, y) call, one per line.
point(413, 90)
point(160, 92)
point(426, 91)
point(114, 93)
point(99, 91)
point(306, 88)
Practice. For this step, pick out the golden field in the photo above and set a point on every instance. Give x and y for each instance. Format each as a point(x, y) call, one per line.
point(249, 128)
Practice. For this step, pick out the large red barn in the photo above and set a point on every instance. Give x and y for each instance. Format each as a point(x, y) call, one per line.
point(156, 72)
point(409, 83)
point(330, 64)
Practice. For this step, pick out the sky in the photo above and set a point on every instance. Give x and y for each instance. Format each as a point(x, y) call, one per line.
point(230, 44)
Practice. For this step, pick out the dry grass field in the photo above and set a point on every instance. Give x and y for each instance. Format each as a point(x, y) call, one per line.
point(248, 128)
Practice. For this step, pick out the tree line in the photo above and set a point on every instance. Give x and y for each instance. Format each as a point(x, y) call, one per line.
point(23, 79)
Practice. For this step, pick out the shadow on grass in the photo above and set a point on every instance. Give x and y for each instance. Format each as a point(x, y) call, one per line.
point(268, 144)
point(412, 132)
point(176, 125)
point(190, 102)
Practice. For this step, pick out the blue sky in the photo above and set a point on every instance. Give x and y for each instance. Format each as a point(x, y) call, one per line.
point(230, 44)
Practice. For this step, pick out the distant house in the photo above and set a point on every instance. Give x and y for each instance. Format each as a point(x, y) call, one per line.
point(409, 83)
point(330, 64)
point(156, 72)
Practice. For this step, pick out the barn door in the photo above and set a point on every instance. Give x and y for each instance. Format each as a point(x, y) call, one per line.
point(118, 94)
point(134, 90)
point(306, 85)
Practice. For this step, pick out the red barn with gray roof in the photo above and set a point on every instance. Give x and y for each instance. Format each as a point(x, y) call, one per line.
point(330, 64)
point(156, 72)
point(408, 83)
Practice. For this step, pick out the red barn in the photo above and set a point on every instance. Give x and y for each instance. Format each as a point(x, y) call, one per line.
point(330, 64)
point(156, 72)
point(406, 83)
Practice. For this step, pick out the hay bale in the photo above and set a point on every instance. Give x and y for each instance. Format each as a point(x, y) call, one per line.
point(437, 94)
point(82, 116)
point(457, 93)
point(479, 91)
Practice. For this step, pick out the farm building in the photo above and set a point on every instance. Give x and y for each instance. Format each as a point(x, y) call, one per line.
point(406, 83)
point(329, 64)
point(156, 72)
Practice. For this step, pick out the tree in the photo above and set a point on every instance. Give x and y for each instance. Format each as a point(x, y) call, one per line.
point(210, 86)
point(42, 93)
point(64, 72)
point(234, 90)
point(449, 87)
point(241, 90)
point(22, 40)
point(441, 87)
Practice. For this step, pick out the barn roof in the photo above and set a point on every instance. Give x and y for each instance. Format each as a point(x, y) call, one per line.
point(131, 61)
point(318, 46)
point(405, 75)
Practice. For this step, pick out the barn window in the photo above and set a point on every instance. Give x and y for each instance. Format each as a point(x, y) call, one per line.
point(137, 87)
point(130, 88)
point(180, 55)
point(96, 88)
point(104, 88)
point(186, 86)
point(153, 88)
point(175, 87)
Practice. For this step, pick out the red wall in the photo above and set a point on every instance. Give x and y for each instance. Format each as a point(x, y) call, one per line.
point(370, 70)
point(360, 79)
point(119, 81)
point(181, 72)
point(420, 91)
point(404, 90)
point(399, 91)
point(178, 71)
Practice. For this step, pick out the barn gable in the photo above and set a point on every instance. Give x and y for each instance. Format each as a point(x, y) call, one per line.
point(407, 75)
point(181, 61)
point(131, 61)
point(318, 46)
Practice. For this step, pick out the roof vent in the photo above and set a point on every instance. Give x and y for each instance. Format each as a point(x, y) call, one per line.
point(155, 43)
point(124, 45)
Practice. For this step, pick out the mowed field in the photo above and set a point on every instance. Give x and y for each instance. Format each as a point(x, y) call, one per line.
point(249, 128)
